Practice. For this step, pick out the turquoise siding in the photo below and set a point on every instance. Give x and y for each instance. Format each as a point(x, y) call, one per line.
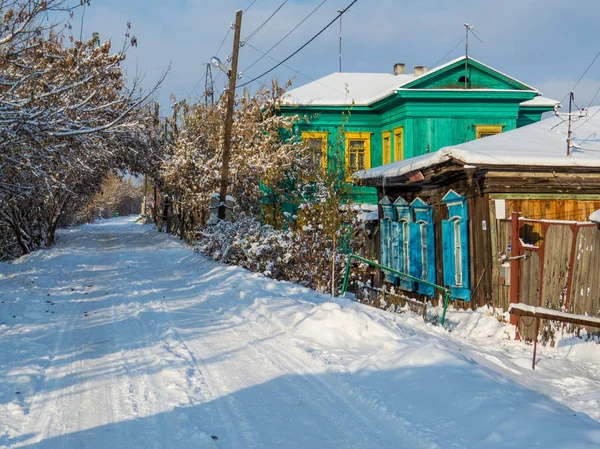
point(434, 111)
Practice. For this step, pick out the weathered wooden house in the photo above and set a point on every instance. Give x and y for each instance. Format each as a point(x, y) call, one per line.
point(446, 217)
point(358, 121)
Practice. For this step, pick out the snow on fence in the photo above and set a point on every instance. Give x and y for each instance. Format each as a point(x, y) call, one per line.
point(538, 313)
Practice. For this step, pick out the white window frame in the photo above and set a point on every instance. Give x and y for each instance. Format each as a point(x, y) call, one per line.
point(458, 268)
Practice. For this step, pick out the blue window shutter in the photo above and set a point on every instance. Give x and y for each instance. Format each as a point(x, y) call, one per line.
point(426, 290)
point(384, 234)
point(463, 291)
point(414, 246)
point(464, 249)
point(404, 232)
point(448, 251)
point(396, 246)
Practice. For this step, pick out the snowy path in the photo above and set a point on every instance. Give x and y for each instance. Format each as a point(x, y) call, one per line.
point(121, 337)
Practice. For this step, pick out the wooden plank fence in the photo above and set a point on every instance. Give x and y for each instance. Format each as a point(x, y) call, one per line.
point(558, 267)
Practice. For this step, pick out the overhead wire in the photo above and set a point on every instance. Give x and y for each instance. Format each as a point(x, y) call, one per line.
point(447, 54)
point(261, 26)
point(298, 72)
point(302, 47)
point(582, 75)
point(250, 6)
point(284, 37)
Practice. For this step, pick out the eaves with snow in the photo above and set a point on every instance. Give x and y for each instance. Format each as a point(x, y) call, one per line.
point(366, 89)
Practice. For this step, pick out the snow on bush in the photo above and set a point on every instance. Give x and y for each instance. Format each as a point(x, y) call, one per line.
point(249, 244)
point(305, 257)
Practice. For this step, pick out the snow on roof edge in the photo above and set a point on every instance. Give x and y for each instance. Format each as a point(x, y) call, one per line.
point(384, 94)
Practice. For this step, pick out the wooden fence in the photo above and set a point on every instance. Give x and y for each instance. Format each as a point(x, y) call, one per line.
point(554, 264)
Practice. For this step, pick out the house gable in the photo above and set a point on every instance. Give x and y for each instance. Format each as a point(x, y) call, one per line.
point(479, 76)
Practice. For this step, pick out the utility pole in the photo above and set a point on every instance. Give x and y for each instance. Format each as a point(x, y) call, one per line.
point(229, 116)
point(570, 115)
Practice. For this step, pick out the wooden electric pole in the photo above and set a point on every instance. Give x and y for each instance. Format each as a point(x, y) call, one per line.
point(229, 116)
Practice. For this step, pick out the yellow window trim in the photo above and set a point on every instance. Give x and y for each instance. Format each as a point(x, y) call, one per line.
point(399, 152)
point(324, 137)
point(487, 129)
point(366, 136)
point(386, 154)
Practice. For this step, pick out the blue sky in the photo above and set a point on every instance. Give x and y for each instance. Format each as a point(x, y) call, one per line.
point(544, 43)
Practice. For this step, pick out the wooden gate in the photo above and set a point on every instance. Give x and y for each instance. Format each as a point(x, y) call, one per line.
point(554, 264)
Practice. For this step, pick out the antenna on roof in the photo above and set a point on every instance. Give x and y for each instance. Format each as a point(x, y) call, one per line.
point(570, 115)
point(341, 11)
point(468, 28)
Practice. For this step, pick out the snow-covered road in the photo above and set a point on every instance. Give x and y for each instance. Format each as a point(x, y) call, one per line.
point(122, 337)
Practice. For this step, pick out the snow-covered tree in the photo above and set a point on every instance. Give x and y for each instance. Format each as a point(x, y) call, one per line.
point(67, 117)
point(263, 150)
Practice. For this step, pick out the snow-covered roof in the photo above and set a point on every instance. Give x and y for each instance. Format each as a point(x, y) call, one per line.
point(339, 89)
point(542, 144)
point(345, 89)
point(595, 217)
point(540, 101)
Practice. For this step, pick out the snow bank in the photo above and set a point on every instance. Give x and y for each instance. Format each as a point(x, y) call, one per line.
point(332, 326)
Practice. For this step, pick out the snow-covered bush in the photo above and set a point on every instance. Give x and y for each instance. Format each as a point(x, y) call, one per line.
point(312, 254)
point(249, 244)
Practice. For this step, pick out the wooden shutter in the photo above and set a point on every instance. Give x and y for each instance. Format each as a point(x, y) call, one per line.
point(448, 252)
point(426, 290)
point(414, 239)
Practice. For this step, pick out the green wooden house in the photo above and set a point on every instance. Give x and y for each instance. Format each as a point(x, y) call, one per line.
point(365, 120)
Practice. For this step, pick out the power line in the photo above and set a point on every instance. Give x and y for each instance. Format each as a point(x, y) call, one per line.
point(595, 95)
point(223, 41)
point(446, 55)
point(251, 35)
point(284, 37)
point(297, 71)
point(302, 47)
point(582, 75)
point(250, 6)
point(587, 120)
point(196, 86)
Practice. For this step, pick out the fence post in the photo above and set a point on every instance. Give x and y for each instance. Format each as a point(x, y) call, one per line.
point(346, 274)
point(514, 264)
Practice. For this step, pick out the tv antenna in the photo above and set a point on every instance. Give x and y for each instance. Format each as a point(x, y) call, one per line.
point(341, 11)
point(209, 88)
point(468, 28)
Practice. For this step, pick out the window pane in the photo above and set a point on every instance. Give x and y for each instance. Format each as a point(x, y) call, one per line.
point(357, 155)
point(315, 147)
point(357, 144)
point(361, 160)
point(353, 162)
